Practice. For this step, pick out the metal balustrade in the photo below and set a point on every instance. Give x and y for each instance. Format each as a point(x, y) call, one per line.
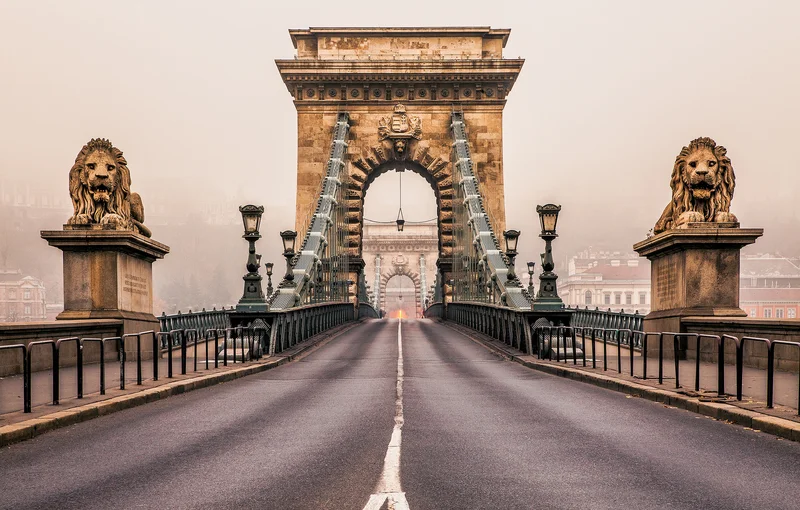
point(607, 319)
point(641, 342)
point(202, 321)
point(246, 342)
point(292, 326)
point(498, 322)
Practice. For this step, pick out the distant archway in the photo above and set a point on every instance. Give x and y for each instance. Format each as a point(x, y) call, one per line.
point(408, 275)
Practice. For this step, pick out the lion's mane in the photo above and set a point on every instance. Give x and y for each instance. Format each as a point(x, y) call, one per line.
point(82, 200)
point(682, 198)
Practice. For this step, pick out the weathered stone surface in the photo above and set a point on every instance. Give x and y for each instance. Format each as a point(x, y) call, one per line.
point(702, 187)
point(369, 72)
point(100, 188)
point(694, 272)
point(108, 275)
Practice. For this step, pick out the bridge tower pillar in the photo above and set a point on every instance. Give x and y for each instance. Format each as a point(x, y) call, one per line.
point(400, 87)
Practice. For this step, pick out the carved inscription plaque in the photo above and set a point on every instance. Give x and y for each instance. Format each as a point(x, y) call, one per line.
point(666, 284)
point(135, 285)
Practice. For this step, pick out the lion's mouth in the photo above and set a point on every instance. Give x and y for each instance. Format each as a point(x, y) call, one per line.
point(702, 190)
point(100, 191)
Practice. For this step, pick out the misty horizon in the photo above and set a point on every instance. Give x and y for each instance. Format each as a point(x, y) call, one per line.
point(608, 96)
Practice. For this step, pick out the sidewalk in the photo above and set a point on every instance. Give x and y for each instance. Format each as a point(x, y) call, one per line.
point(43, 410)
point(754, 380)
point(781, 420)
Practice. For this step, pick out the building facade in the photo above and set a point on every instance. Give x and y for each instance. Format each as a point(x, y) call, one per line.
point(22, 298)
point(389, 254)
point(607, 280)
point(769, 286)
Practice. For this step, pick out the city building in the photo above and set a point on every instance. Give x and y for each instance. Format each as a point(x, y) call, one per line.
point(606, 280)
point(769, 287)
point(22, 298)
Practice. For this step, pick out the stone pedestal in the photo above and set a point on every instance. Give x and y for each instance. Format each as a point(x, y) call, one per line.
point(108, 275)
point(694, 272)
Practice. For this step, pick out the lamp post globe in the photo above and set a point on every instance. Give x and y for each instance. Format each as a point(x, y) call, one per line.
point(288, 237)
point(547, 297)
point(511, 238)
point(253, 297)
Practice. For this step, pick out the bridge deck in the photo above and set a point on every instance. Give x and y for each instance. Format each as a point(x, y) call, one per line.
point(477, 432)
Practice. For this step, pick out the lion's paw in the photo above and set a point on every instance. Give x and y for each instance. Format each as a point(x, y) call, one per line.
point(113, 222)
point(689, 217)
point(80, 219)
point(726, 217)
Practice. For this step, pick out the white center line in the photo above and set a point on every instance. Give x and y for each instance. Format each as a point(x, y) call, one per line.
point(389, 485)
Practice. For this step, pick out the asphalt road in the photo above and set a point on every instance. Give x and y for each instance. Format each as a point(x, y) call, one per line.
point(477, 432)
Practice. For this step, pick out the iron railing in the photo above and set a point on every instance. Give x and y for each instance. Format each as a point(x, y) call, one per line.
point(498, 322)
point(254, 339)
point(646, 342)
point(202, 321)
point(292, 326)
point(607, 319)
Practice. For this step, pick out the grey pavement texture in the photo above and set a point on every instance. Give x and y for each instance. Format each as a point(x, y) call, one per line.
point(480, 432)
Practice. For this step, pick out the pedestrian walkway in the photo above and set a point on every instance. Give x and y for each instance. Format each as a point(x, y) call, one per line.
point(11, 387)
point(611, 361)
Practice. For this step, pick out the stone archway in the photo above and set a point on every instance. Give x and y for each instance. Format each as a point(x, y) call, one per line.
point(402, 270)
point(400, 146)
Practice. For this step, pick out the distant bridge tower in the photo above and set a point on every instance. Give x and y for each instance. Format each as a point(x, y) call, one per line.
point(400, 87)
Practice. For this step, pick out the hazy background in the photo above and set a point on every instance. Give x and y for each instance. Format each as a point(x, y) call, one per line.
point(609, 94)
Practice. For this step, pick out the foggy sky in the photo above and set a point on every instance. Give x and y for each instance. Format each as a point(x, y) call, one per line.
point(608, 95)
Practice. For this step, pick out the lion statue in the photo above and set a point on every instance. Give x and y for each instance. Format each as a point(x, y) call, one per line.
point(702, 187)
point(100, 187)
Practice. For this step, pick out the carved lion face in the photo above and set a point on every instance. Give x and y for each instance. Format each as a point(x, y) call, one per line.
point(100, 175)
point(701, 173)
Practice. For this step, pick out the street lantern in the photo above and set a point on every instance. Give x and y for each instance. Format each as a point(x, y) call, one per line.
point(288, 237)
point(547, 297)
point(400, 220)
point(511, 237)
point(548, 217)
point(251, 218)
point(269, 266)
point(253, 297)
point(531, 266)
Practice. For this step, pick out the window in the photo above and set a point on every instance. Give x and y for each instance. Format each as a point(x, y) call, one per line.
point(767, 313)
point(752, 312)
point(607, 298)
point(643, 298)
point(791, 313)
point(587, 297)
point(617, 298)
point(27, 309)
point(779, 313)
point(26, 294)
point(628, 298)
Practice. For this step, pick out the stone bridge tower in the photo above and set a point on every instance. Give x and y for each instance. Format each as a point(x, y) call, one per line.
point(400, 86)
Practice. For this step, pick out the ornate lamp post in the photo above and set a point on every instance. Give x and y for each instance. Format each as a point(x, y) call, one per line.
point(531, 266)
point(511, 237)
point(547, 298)
point(465, 287)
point(253, 297)
point(288, 237)
point(269, 266)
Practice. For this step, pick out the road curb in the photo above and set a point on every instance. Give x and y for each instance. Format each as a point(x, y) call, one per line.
point(28, 429)
point(773, 425)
